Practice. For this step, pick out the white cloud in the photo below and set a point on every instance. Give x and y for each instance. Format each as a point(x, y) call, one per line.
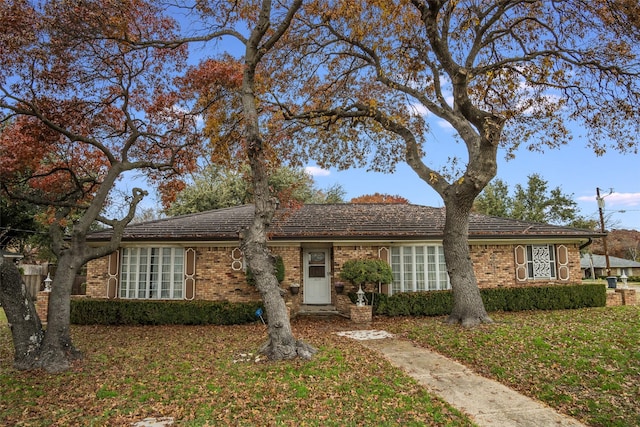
point(317, 171)
point(418, 109)
point(445, 124)
point(615, 199)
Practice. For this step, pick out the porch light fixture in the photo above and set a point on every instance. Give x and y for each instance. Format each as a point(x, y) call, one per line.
point(47, 283)
point(360, 295)
point(624, 280)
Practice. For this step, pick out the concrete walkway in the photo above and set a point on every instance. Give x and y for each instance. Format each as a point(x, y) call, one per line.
point(487, 402)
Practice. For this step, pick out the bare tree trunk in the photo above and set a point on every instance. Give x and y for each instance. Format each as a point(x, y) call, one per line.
point(281, 343)
point(26, 329)
point(468, 308)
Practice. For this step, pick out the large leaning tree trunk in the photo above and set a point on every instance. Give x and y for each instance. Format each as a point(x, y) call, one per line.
point(57, 352)
point(52, 349)
point(468, 307)
point(281, 343)
point(24, 322)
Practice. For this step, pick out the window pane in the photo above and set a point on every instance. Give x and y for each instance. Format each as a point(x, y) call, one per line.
point(418, 268)
point(124, 273)
point(407, 279)
point(152, 273)
point(541, 261)
point(133, 273)
point(316, 271)
point(443, 276)
point(419, 265)
point(396, 270)
point(316, 258)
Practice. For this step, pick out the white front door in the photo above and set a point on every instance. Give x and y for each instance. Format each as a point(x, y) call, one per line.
point(317, 276)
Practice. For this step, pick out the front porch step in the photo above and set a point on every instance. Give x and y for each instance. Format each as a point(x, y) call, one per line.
point(318, 310)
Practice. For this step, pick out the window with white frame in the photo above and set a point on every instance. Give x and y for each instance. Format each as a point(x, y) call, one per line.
point(418, 268)
point(541, 262)
point(152, 273)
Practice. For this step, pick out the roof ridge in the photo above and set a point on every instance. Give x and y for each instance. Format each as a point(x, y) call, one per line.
point(189, 215)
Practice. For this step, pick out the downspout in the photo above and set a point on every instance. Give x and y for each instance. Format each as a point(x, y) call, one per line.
point(589, 242)
point(581, 247)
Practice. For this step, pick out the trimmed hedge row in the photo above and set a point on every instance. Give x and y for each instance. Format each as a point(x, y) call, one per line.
point(88, 311)
point(440, 303)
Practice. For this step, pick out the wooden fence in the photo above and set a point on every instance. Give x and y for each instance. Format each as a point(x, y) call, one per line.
point(34, 275)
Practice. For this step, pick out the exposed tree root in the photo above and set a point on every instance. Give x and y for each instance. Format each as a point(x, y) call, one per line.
point(468, 321)
point(287, 351)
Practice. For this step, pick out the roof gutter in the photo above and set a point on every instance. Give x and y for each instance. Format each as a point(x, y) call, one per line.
point(589, 242)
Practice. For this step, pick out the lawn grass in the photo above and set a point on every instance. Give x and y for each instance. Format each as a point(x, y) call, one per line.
point(3, 317)
point(585, 363)
point(206, 376)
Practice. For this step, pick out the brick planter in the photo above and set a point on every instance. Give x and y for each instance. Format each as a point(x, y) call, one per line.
point(42, 305)
point(362, 314)
point(628, 296)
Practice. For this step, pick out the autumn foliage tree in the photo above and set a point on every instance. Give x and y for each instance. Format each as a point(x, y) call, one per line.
point(258, 27)
point(380, 198)
point(503, 75)
point(83, 106)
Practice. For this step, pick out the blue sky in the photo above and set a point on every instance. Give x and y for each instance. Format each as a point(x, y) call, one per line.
point(574, 168)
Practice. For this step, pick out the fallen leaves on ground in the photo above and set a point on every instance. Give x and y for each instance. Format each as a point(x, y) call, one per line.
point(211, 375)
point(585, 363)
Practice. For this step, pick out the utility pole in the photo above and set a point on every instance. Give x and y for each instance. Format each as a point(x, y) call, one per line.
point(604, 238)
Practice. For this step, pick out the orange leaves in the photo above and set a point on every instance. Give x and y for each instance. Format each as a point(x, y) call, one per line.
point(380, 198)
point(169, 190)
point(52, 166)
point(18, 28)
point(86, 103)
point(215, 84)
point(210, 76)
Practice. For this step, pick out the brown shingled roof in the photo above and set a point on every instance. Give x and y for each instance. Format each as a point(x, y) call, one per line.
point(336, 221)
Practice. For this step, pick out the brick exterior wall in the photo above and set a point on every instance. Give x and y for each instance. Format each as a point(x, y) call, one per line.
point(495, 267)
point(97, 277)
point(341, 254)
point(216, 279)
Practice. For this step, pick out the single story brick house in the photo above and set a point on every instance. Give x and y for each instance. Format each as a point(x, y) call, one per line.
point(197, 256)
point(598, 265)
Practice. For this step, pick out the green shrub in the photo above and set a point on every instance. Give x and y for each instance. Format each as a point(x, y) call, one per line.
point(87, 311)
point(363, 271)
point(544, 297)
point(440, 303)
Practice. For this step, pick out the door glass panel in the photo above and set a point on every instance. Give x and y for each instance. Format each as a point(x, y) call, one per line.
point(316, 258)
point(316, 264)
point(316, 271)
